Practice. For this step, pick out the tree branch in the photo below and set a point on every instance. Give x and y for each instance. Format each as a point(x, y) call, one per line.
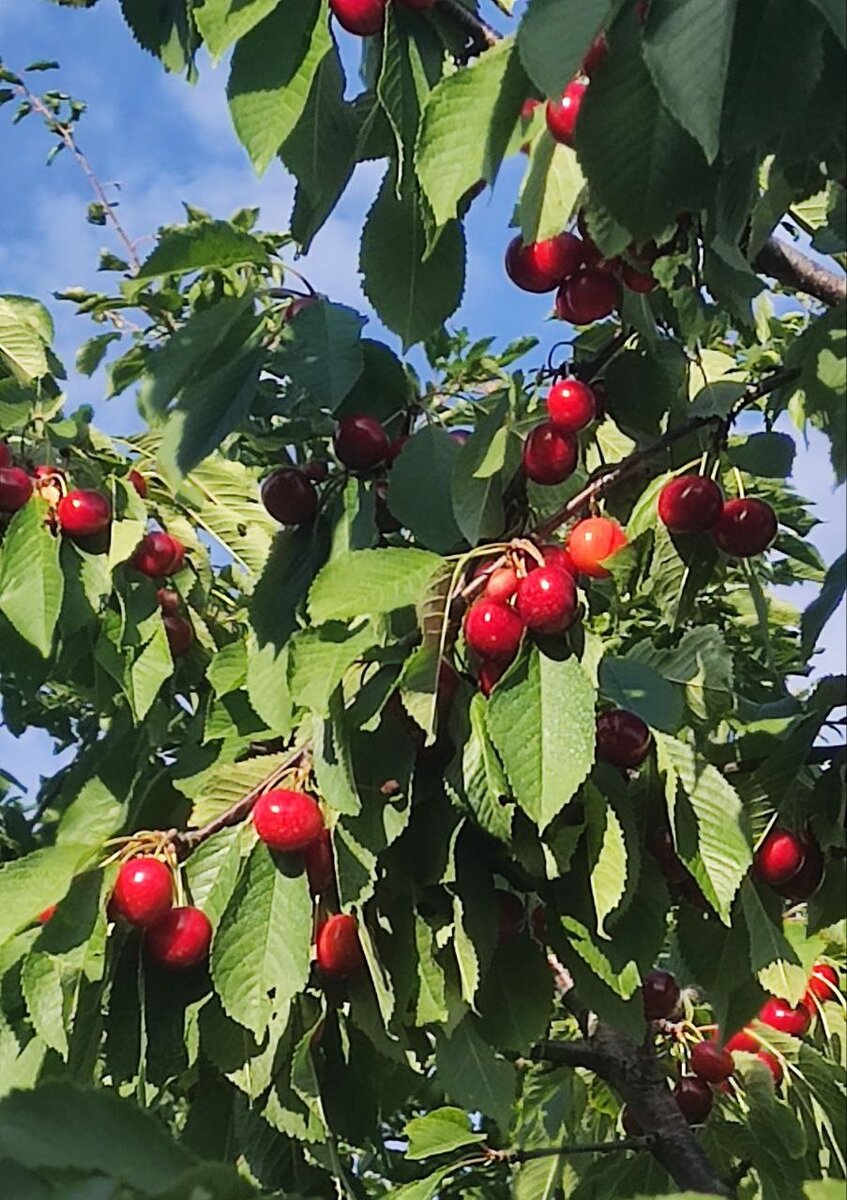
point(791, 267)
point(608, 1147)
point(480, 36)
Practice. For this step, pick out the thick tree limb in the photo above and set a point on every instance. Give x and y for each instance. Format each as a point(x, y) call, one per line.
point(794, 269)
point(634, 1074)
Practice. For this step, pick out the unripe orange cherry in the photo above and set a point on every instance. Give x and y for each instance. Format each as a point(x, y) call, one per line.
point(592, 542)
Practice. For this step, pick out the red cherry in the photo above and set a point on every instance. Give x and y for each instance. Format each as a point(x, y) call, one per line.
point(712, 1063)
point(168, 600)
point(395, 448)
point(562, 309)
point(460, 436)
point(490, 673)
point(690, 504)
point(571, 405)
point(593, 541)
point(493, 630)
point(547, 600)
point(694, 1097)
point(83, 513)
point(6, 453)
point(588, 296)
point(550, 454)
point(557, 556)
point(659, 995)
point(511, 916)
point(179, 938)
point(538, 923)
point(360, 442)
point(773, 1064)
point(779, 858)
point(138, 482)
point(319, 863)
point(143, 891)
point(287, 821)
point(46, 914)
point(179, 633)
point(745, 1041)
point(745, 527)
point(339, 951)
point(787, 1018)
point(15, 488)
point(595, 55)
point(638, 281)
point(317, 470)
point(289, 496)
point(541, 266)
point(805, 883)
point(823, 984)
point(502, 584)
point(562, 114)
point(623, 739)
point(158, 554)
point(361, 17)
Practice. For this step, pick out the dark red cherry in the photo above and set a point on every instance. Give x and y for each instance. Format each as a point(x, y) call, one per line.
point(711, 1062)
point(15, 488)
point(690, 504)
point(773, 1064)
point(179, 633)
point(780, 857)
point(823, 985)
point(143, 891)
point(787, 1018)
point(588, 296)
point(493, 630)
point(158, 554)
point(694, 1097)
point(595, 55)
point(805, 883)
point(490, 673)
point(319, 864)
point(361, 442)
point(287, 821)
point(317, 470)
point(339, 951)
point(547, 600)
point(290, 496)
point(6, 453)
point(83, 513)
point(659, 995)
point(138, 482)
point(745, 527)
point(179, 938)
point(168, 600)
point(395, 448)
point(511, 916)
point(557, 556)
point(360, 17)
point(623, 739)
point(571, 405)
point(562, 114)
point(541, 266)
point(550, 454)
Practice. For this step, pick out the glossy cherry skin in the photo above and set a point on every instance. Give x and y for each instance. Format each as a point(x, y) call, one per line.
point(493, 630)
point(5, 455)
point(558, 557)
point(541, 266)
point(694, 1097)
point(745, 527)
point(319, 864)
point(290, 496)
point(773, 1064)
point(287, 821)
point(502, 584)
point(805, 883)
point(360, 442)
point(138, 482)
point(339, 951)
point(712, 1063)
point(179, 938)
point(550, 454)
point(168, 600)
point(823, 984)
point(361, 17)
point(623, 739)
point(83, 513)
point(690, 504)
point(547, 600)
point(143, 891)
point(562, 114)
point(595, 55)
point(638, 281)
point(781, 1015)
point(179, 633)
point(593, 541)
point(15, 489)
point(588, 296)
point(659, 995)
point(511, 916)
point(158, 554)
point(745, 1040)
point(780, 857)
point(571, 405)
point(317, 470)
point(490, 673)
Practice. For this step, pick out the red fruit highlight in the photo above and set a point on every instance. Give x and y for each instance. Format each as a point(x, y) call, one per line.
point(550, 454)
point(138, 482)
point(779, 858)
point(360, 442)
point(511, 916)
point(319, 864)
point(694, 1097)
point(143, 891)
point(571, 405)
point(823, 984)
point(287, 821)
point(290, 496)
point(158, 554)
point(773, 1064)
point(659, 995)
point(562, 114)
point(787, 1018)
point(592, 542)
point(690, 504)
point(588, 296)
point(339, 951)
point(710, 1062)
point(179, 633)
point(83, 513)
point(360, 17)
point(541, 266)
point(179, 938)
point(493, 630)
point(745, 527)
point(623, 739)
point(547, 600)
point(15, 489)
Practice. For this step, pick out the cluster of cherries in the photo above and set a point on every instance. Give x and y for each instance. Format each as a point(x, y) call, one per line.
point(791, 863)
point(158, 555)
point(367, 17)
point(80, 513)
point(695, 504)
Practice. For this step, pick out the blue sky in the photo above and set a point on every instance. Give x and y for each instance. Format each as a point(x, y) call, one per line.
point(164, 142)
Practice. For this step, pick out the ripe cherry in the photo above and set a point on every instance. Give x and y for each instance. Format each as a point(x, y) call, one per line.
point(745, 1041)
point(541, 266)
point(168, 600)
point(595, 55)
point(592, 542)
point(710, 1062)
point(562, 114)
point(317, 470)
point(6, 454)
point(83, 513)
point(557, 556)
point(490, 672)
point(158, 554)
point(502, 584)
point(547, 600)
point(493, 630)
point(287, 821)
point(15, 489)
point(179, 938)
point(511, 916)
point(550, 454)
point(779, 858)
point(623, 739)
point(690, 504)
point(787, 1018)
point(571, 405)
point(659, 995)
point(339, 951)
point(823, 984)
point(773, 1064)
point(588, 296)
point(395, 449)
point(290, 496)
point(179, 633)
point(143, 891)
point(138, 482)
point(745, 527)
point(694, 1097)
point(319, 864)
point(47, 914)
point(638, 281)
point(360, 442)
point(361, 17)
point(805, 883)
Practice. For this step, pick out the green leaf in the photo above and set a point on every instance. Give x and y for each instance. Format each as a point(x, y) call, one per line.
point(480, 472)
point(29, 885)
point(820, 351)
point(413, 292)
point(163, 29)
point(516, 997)
point(211, 871)
point(222, 22)
point(26, 330)
point(553, 39)
point(426, 466)
point(541, 719)
point(471, 1073)
point(147, 672)
point(766, 454)
point(686, 47)
point(431, 1001)
point(475, 777)
point(371, 582)
point(268, 92)
point(467, 124)
point(424, 1189)
point(772, 957)
point(824, 605)
point(638, 687)
point(321, 352)
point(31, 579)
point(201, 246)
point(550, 191)
point(261, 951)
point(835, 15)
point(320, 658)
point(91, 354)
point(223, 497)
point(439, 1132)
point(607, 857)
point(411, 64)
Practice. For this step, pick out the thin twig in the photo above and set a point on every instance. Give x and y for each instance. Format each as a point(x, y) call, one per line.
point(608, 1147)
